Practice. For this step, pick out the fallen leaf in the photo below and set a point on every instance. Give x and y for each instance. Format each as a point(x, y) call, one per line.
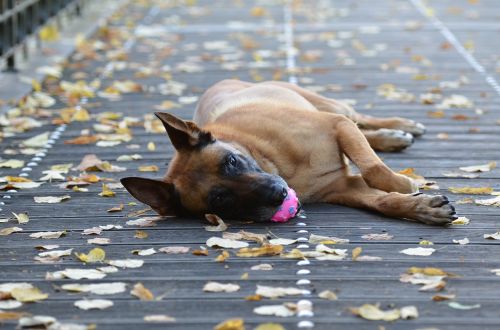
point(265, 250)
point(145, 252)
point(9, 230)
point(51, 199)
point(140, 234)
point(214, 219)
point(495, 236)
point(12, 163)
point(48, 234)
point(149, 168)
point(460, 221)
point(377, 237)
point(457, 305)
point(443, 297)
point(356, 252)
point(116, 208)
point(463, 241)
point(174, 249)
point(37, 141)
point(159, 318)
point(9, 304)
point(265, 267)
point(222, 257)
point(282, 241)
point(495, 201)
point(225, 243)
point(374, 313)
point(93, 304)
point(270, 326)
point(28, 294)
point(471, 190)
point(246, 235)
point(141, 292)
point(220, 287)
point(328, 295)
point(231, 324)
point(40, 321)
point(420, 251)
point(276, 292)
point(318, 239)
point(126, 263)
point(276, 310)
point(479, 168)
point(99, 241)
point(409, 312)
point(106, 192)
point(21, 217)
point(76, 274)
point(94, 255)
point(200, 252)
point(97, 288)
point(11, 315)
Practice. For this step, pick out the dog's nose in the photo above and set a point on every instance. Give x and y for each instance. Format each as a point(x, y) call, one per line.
point(278, 195)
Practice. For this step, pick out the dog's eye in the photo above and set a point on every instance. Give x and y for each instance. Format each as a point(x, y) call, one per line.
point(231, 160)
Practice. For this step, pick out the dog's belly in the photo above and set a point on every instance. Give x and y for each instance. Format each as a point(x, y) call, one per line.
point(299, 145)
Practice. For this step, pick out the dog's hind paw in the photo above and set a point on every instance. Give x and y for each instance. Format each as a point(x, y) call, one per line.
point(391, 140)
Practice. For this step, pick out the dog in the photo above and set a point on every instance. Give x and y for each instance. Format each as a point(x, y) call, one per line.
point(249, 142)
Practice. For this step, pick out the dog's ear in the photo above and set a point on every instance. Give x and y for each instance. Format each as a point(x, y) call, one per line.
point(158, 194)
point(184, 134)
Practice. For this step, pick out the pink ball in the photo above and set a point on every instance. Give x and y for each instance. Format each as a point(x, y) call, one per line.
point(288, 208)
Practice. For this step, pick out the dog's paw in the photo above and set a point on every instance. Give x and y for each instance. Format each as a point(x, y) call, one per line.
point(412, 127)
point(433, 210)
point(392, 140)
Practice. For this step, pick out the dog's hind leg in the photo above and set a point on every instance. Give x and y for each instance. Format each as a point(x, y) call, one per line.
point(377, 175)
point(428, 209)
point(367, 122)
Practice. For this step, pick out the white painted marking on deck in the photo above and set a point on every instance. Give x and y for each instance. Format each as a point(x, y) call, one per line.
point(452, 39)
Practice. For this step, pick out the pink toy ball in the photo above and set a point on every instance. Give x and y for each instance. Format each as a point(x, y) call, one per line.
point(288, 208)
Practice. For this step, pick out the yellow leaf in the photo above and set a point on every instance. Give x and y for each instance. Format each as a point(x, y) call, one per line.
point(270, 326)
point(356, 252)
point(222, 257)
point(141, 292)
point(141, 234)
point(37, 87)
point(265, 250)
point(373, 313)
point(151, 146)
point(430, 271)
point(94, 255)
point(81, 114)
point(28, 294)
point(49, 33)
point(425, 242)
point(258, 11)
point(148, 168)
point(471, 190)
point(12, 315)
point(231, 324)
point(12, 163)
point(106, 192)
point(21, 217)
point(116, 208)
point(16, 179)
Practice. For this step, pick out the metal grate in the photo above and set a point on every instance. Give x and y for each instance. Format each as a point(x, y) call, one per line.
point(21, 18)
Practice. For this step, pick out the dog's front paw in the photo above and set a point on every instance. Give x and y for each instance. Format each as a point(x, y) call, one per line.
point(412, 127)
point(433, 210)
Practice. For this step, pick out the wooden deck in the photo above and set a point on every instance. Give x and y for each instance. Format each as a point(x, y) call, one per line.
point(346, 50)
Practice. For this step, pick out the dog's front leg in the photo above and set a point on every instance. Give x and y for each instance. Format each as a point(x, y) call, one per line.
point(434, 210)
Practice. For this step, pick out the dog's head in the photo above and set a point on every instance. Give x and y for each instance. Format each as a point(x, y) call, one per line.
point(209, 176)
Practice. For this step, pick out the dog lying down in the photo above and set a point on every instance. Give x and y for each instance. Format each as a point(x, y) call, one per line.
point(248, 143)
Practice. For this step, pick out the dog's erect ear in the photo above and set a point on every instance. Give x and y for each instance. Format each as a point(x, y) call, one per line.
point(158, 194)
point(184, 134)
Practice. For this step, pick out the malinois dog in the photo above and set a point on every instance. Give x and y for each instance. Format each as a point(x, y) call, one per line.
point(249, 142)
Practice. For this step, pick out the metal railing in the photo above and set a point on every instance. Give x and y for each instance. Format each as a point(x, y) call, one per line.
point(20, 19)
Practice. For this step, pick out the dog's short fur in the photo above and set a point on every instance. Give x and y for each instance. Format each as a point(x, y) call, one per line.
point(248, 142)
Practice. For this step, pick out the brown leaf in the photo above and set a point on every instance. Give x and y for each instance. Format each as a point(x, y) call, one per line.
point(141, 292)
point(265, 250)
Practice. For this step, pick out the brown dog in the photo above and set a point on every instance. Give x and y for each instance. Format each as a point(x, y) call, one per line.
point(248, 142)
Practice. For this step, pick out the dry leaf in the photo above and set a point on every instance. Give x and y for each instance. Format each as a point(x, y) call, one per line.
point(479, 168)
point(460, 221)
point(28, 294)
point(174, 249)
point(94, 255)
point(457, 305)
point(222, 257)
point(378, 237)
point(12, 163)
point(126, 263)
point(9, 230)
point(409, 312)
point(231, 324)
point(471, 190)
point(21, 217)
point(106, 192)
point(246, 236)
point(142, 292)
point(9, 304)
point(270, 326)
point(276, 310)
point(149, 168)
point(327, 294)
point(51, 199)
point(318, 239)
point(374, 313)
point(262, 267)
point(282, 241)
point(495, 201)
point(97, 288)
point(48, 234)
point(220, 287)
point(276, 292)
point(214, 219)
point(225, 243)
point(159, 318)
point(442, 297)
point(200, 252)
point(145, 252)
point(140, 234)
point(356, 252)
point(420, 251)
point(116, 208)
point(99, 241)
point(11, 315)
point(265, 250)
point(495, 236)
point(76, 274)
point(463, 241)
point(93, 304)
